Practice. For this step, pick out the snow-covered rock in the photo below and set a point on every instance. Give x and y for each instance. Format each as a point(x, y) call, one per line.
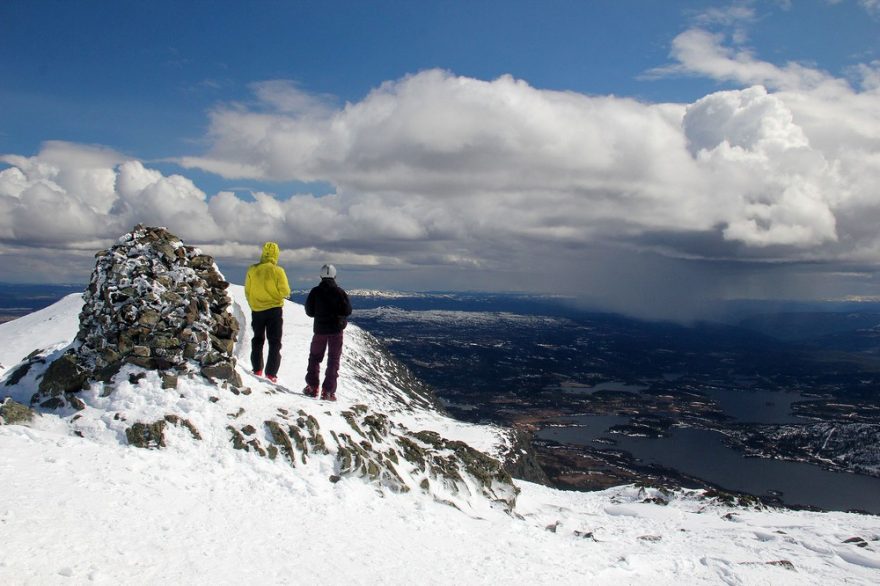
point(152, 302)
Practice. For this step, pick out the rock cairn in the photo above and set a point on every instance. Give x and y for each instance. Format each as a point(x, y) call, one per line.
point(152, 302)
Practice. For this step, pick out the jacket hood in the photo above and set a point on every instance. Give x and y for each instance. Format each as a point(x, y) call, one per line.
point(270, 253)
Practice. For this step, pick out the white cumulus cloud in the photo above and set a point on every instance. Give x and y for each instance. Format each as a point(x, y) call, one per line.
point(443, 171)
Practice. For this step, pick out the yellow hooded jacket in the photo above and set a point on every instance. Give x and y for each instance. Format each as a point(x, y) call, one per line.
point(266, 283)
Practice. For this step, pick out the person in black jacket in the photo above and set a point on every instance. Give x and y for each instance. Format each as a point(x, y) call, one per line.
point(329, 305)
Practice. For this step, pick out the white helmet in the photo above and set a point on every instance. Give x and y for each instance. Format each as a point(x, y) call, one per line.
point(328, 272)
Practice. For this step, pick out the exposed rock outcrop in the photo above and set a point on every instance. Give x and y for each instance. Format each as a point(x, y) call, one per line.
point(373, 447)
point(521, 462)
point(152, 435)
point(14, 413)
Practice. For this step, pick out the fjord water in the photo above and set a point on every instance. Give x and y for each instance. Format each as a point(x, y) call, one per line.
point(702, 453)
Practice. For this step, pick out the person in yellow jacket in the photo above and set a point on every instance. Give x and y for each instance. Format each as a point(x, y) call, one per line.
point(266, 288)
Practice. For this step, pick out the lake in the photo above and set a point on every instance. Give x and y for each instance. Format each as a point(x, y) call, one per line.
point(702, 453)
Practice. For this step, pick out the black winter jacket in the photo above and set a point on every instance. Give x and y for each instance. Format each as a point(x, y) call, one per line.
point(329, 305)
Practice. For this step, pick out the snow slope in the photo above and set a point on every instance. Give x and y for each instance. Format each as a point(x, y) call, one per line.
point(79, 505)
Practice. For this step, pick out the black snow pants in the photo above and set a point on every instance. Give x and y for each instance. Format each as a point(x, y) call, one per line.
point(267, 324)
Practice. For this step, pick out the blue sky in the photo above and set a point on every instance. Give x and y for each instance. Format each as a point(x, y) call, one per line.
point(140, 76)
point(400, 109)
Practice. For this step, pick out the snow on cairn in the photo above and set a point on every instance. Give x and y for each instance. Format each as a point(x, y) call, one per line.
point(154, 303)
point(136, 449)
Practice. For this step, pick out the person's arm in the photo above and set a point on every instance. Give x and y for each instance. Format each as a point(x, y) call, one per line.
point(283, 285)
point(310, 304)
point(247, 287)
point(345, 309)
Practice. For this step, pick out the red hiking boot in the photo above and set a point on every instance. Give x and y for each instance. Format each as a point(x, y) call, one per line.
point(258, 373)
point(325, 396)
point(310, 391)
point(272, 379)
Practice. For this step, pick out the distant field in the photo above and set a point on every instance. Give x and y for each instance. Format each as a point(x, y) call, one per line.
point(17, 300)
point(6, 315)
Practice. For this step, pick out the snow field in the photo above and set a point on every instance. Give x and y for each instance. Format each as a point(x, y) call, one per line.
point(79, 511)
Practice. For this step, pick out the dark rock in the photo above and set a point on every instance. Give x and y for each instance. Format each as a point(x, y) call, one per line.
point(36, 355)
point(141, 351)
point(137, 377)
point(19, 373)
point(14, 413)
point(222, 371)
point(75, 401)
point(185, 423)
point(169, 381)
point(282, 440)
point(521, 461)
point(147, 435)
point(162, 363)
point(315, 438)
point(110, 356)
point(238, 441)
point(142, 361)
point(202, 262)
point(149, 318)
point(166, 342)
point(222, 345)
point(53, 403)
point(300, 442)
point(167, 250)
point(64, 375)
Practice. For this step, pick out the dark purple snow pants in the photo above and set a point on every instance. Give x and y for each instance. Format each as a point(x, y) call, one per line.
point(320, 343)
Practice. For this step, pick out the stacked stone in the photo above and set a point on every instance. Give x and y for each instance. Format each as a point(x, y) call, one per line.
point(155, 303)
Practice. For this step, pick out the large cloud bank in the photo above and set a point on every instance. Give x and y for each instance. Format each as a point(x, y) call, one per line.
point(439, 170)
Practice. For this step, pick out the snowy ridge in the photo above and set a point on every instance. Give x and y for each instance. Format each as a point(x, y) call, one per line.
point(384, 427)
point(381, 294)
point(460, 318)
point(82, 506)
